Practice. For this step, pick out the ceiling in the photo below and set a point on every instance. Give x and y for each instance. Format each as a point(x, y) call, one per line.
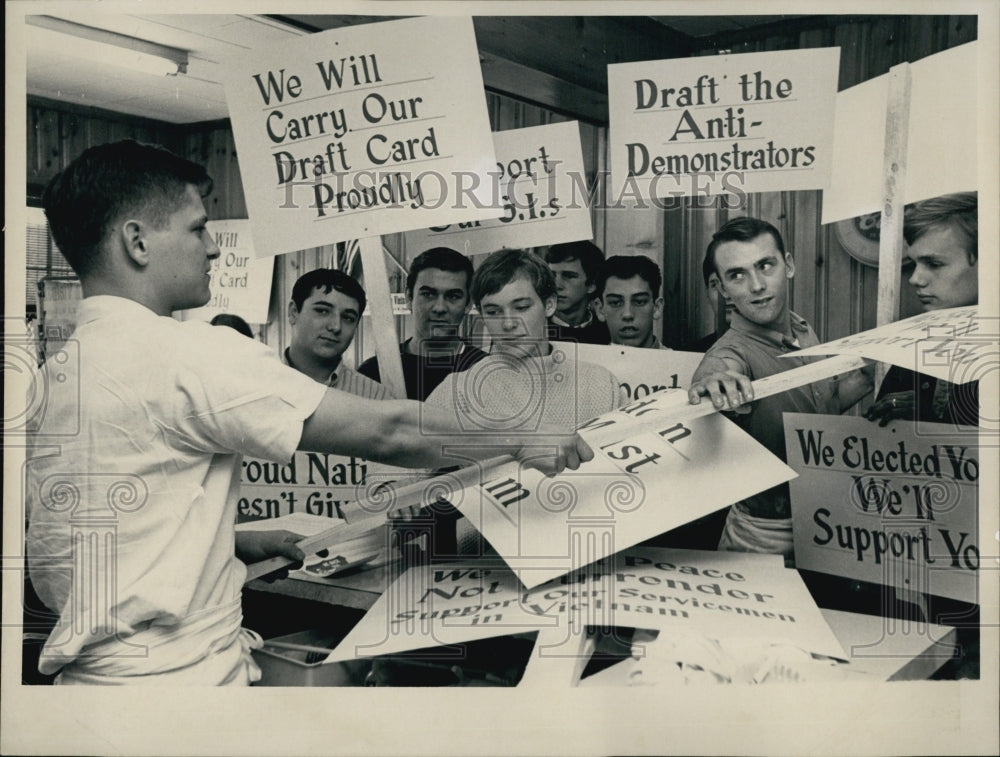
point(550, 60)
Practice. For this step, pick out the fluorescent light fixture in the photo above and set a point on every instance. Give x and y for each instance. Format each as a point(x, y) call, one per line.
point(107, 47)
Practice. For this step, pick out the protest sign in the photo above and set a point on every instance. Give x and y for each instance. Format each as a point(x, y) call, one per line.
point(542, 190)
point(716, 594)
point(640, 371)
point(638, 485)
point(886, 505)
point(312, 483)
point(757, 122)
point(357, 132)
point(955, 344)
point(941, 139)
point(240, 282)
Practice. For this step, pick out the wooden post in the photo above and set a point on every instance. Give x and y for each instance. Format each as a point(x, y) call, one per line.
point(890, 253)
point(380, 302)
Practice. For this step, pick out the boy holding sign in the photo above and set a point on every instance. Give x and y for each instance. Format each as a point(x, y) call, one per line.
point(748, 255)
point(131, 536)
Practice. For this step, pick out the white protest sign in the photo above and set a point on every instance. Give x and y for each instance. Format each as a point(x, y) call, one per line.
point(717, 594)
point(954, 344)
point(639, 370)
point(757, 122)
point(313, 483)
point(886, 505)
point(540, 194)
point(941, 143)
point(636, 487)
point(356, 132)
point(240, 281)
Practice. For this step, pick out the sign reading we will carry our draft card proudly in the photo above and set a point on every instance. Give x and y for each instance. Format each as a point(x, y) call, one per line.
point(541, 188)
point(362, 131)
point(757, 122)
point(893, 506)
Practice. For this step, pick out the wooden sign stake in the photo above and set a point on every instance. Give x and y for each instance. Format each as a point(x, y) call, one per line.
point(890, 253)
point(380, 304)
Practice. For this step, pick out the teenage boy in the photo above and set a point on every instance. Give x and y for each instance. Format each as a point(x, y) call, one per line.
point(577, 267)
point(754, 270)
point(630, 300)
point(324, 312)
point(132, 501)
point(437, 290)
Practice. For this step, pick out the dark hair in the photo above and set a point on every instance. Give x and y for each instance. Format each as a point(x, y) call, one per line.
point(589, 254)
point(233, 322)
point(327, 279)
point(443, 258)
point(503, 266)
point(959, 211)
point(743, 229)
point(628, 266)
point(108, 182)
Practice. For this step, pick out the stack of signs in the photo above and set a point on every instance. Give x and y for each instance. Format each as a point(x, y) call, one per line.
point(646, 478)
point(890, 506)
point(356, 132)
point(716, 594)
point(758, 122)
point(540, 186)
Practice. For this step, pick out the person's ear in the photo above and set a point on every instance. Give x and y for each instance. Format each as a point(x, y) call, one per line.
point(599, 309)
point(133, 234)
point(658, 308)
point(293, 312)
point(789, 265)
point(591, 288)
point(550, 307)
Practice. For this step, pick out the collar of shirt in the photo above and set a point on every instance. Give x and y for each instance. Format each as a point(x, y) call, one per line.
point(406, 347)
point(331, 380)
point(100, 305)
point(560, 322)
point(776, 338)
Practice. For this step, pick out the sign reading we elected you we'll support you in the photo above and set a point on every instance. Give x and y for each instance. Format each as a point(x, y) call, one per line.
point(541, 188)
point(886, 505)
point(757, 122)
point(362, 131)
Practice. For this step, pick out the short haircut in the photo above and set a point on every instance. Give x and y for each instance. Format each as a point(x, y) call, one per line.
point(743, 229)
point(327, 279)
point(234, 322)
point(959, 211)
point(108, 183)
point(442, 258)
point(503, 266)
point(589, 254)
point(628, 266)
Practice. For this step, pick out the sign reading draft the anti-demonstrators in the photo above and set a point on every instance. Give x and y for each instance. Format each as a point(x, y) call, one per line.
point(539, 184)
point(356, 132)
point(640, 371)
point(757, 122)
point(639, 485)
point(240, 281)
point(954, 344)
point(717, 594)
point(886, 505)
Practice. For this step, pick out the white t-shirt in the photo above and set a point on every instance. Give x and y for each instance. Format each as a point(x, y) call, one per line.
point(135, 473)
